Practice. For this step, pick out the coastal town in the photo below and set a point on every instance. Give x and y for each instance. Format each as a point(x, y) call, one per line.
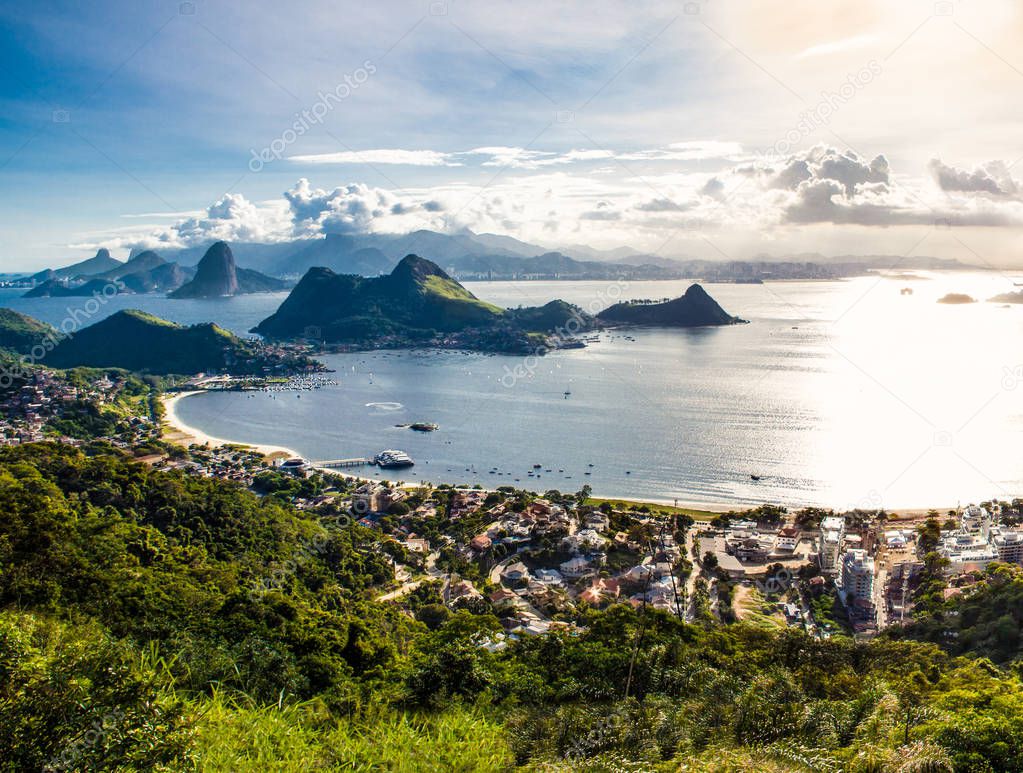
point(539, 561)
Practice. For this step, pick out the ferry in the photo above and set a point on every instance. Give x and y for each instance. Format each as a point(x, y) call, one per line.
point(390, 459)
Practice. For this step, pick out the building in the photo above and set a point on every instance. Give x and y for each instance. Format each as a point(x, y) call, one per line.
point(787, 539)
point(832, 537)
point(368, 498)
point(976, 521)
point(858, 583)
point(1008, 543)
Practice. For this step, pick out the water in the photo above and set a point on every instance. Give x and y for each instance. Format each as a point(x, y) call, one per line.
point(838, 393)
point(239, 314)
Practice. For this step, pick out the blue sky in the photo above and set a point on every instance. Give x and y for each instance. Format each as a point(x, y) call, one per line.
point(707, 128)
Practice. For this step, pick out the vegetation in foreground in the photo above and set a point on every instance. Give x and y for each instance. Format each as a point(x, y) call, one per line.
point(159, 621)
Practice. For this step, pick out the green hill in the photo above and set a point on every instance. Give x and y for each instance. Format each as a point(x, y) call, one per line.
point(134, 340)
point(694, 309)
point(417, 297)
point(20, 332)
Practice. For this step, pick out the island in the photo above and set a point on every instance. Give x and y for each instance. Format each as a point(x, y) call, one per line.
point(418, 303)
point(1016, 297)
point(693, 309)
point(218, 276)
point(955, 299)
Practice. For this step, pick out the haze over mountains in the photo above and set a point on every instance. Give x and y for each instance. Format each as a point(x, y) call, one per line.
point(464, 255)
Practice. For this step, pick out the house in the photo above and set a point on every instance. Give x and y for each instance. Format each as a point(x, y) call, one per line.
point(787, 539)
point(515, 572)
point(576, 567)
point(597, 521)
point(480, 543)
point(503, 599)
point(418, 545)
point(549, 576)
point(368, 498)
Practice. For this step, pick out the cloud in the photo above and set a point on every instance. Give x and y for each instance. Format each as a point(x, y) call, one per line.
point(358, 208)
point(835, 46)
point(232, 218)
point(660, 205)
point(380, 156)
point(992, 178)
point(687, 151)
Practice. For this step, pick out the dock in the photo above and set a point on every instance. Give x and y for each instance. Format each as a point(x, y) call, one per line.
point(341, 463)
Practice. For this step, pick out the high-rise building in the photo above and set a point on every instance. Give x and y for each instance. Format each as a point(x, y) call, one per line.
point(831, 538)
point(858, 582)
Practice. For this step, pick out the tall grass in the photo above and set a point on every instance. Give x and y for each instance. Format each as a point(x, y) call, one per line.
point(233, 736)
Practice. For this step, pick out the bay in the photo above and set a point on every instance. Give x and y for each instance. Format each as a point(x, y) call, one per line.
point(839, 394)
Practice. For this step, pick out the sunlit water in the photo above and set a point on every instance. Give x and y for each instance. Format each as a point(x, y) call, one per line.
point(837, 393)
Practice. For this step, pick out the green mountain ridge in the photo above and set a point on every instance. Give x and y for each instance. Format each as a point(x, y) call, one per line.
point(135, 340)
point(417, 296)
point(20, 332)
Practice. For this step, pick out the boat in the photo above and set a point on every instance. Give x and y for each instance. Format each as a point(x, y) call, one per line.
point(754, 477)
point(424, 426)
point(391, 459)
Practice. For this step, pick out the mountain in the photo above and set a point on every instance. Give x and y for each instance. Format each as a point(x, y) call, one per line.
point(134, 340)
point(20, 332)
point(217, 276)
point(163, 278)
point(550, 265)
point(338, 252)
point(416, 296)
point(144, 261)
point(97, 264)
point(694, 309)
point(1015, 297)
point(56, 288)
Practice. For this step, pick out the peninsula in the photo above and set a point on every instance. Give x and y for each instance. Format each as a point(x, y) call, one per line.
point(418, 303)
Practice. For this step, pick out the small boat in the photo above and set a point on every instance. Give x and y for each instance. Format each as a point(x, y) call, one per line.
point(423, 426)
point(754, 477)
point(537, 466)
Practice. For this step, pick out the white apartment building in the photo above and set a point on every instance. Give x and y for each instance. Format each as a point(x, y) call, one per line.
point(831, 538)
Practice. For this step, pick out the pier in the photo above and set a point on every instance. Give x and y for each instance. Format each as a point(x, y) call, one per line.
point(341, 463)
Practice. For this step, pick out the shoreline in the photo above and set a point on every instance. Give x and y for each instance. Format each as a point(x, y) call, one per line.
point(177, 431)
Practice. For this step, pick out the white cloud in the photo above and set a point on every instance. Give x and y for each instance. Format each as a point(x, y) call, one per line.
point(992, 178)
point(379, 156)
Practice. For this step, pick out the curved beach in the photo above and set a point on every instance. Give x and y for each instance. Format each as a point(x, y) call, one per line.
point(183, 434)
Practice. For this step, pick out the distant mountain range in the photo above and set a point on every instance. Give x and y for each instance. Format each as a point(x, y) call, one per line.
point(147, 272)
point(464, 255)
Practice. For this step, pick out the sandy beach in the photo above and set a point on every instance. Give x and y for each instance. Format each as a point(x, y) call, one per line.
point(176, 431)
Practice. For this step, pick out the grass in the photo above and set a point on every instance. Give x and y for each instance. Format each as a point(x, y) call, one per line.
point(752, 608)
point(628, 504)
point(299, 738)
point(445, 288)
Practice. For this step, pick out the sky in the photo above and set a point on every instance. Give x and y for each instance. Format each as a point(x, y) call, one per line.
point(721, 129)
